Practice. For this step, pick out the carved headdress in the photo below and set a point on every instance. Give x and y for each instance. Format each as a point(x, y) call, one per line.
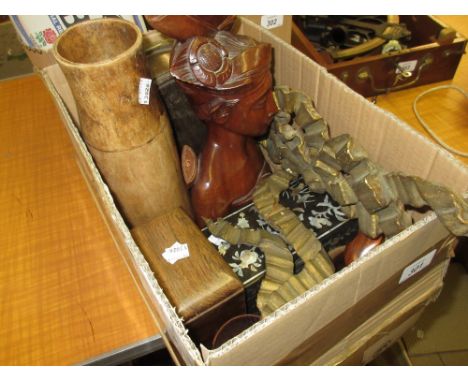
point(222, 62)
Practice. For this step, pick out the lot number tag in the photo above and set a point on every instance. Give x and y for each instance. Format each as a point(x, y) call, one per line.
point(176, 252)
point(216, 240)
point(144, 91)
point(270, 22)
point(417, 266)
point(406, 66)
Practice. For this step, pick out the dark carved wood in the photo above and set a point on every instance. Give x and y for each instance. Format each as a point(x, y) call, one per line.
point(190, 133)
point(359, 246)
point(184, 27)
point(228, 81)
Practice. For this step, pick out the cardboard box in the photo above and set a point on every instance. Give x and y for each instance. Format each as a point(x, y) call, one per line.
point(385, 327)
point(279, 25)
point(312, 324)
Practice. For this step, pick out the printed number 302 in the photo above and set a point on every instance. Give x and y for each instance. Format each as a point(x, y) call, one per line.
point(272, 22)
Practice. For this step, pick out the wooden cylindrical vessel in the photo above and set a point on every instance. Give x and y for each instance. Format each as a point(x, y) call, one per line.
point(131, 142)
point(145, 186)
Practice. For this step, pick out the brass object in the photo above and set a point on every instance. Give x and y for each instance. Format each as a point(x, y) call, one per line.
point(158, 48)
point(364, 74)
point(446, 35)
point(228, 81)
point(299, 144)
point(366, 190)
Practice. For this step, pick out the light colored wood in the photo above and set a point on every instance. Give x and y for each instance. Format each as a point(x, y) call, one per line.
point(146, 181)
point(66, 294)
point(193, 284)
point(199, 284)
point(131, 143)
point(103, 62)
point(445, 111)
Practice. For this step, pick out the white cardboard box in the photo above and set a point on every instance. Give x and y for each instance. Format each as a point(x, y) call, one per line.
point(317, 322)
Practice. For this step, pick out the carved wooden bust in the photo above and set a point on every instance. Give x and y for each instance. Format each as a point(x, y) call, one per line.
point(228, 81)
point(182, 27)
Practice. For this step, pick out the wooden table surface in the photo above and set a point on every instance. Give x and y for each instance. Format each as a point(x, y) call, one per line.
point(445, 111)
point(66, 294)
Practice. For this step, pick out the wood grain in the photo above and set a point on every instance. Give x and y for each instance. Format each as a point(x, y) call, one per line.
point(197, 284)
point(132, 143)
point(65, 292)
point(445, 111)
point(103, 62)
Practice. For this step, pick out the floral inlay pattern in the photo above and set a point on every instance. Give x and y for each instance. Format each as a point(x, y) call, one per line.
point(318, 212)
point(246, 259)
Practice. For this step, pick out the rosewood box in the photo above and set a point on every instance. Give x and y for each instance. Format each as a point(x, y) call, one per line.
point(358, 299)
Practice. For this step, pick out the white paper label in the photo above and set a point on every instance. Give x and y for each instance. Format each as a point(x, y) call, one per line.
point(270, 22)
point(176, 252)
point(216, 240)
point(417, 266)
point(144, 91)
point(406, 66)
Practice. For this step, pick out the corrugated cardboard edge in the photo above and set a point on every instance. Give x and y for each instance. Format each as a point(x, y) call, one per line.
point(323, 103)
point(347, 113)
point(419, 294)
point(180, 332)
point(316, 74)
point(208, 355)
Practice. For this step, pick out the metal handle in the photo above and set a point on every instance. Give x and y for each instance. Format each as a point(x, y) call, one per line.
point(365, 74)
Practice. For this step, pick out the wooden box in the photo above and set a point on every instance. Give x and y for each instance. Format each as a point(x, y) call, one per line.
point(314, 323)
point(430, 56)
point(196, 280)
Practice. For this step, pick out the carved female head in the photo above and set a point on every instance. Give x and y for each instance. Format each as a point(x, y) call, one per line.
point(228, 80)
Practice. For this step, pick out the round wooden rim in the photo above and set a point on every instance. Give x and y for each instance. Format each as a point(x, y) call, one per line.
point(128, 52)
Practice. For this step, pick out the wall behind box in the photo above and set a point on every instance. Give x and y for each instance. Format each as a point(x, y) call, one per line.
point(281, 333)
